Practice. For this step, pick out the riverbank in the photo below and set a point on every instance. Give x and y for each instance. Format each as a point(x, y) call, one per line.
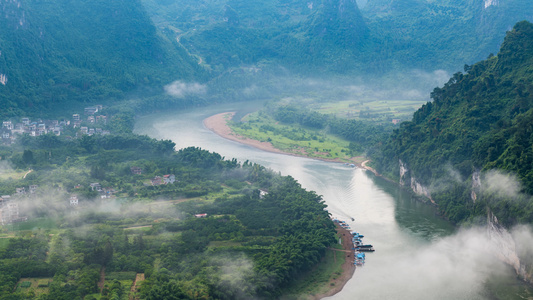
point(336, 284)
point(218, 124)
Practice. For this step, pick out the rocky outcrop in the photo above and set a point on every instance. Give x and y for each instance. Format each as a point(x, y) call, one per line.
point(503, 245)
point(407, 178)
point(476, 185)
point(491, 3)
point(403, 172)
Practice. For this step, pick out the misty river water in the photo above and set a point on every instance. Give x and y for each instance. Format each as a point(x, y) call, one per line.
point(418, 254)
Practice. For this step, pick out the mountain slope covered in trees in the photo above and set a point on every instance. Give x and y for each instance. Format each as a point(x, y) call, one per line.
point(53, 52)
point(441, 34)
point(478, 122)
point(337, 36)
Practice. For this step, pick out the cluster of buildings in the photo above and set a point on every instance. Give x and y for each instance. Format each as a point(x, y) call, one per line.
point(157, 180)
point(9, 207)
point(166, 179)
point(37, 127)
point(103, 192)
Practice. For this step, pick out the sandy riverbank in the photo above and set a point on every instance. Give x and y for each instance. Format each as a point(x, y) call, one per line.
point(218, 124)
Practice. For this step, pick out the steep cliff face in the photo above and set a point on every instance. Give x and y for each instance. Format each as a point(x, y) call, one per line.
point(502, 243)
point(414, 184)
point(476, 185)
point(503, 246)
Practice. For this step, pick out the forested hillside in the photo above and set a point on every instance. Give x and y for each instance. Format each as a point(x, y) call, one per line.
point(103, 213)
point(440, 34)
point(479, 122)
point(298, 34)
point(337, 36)
point(56, 52)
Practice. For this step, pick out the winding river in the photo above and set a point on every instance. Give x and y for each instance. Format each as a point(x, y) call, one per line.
point(418, 255)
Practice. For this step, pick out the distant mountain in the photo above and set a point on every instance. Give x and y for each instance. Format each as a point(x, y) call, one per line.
point(300, 34)
point(337, 36)
point(479, 122)
point(442, 34)
point(53, 52)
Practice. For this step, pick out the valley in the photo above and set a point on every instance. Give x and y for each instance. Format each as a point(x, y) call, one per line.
point(206, 149)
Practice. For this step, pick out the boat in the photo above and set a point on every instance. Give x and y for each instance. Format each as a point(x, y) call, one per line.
point(359, 259)
point(365, 246)
point(365, 249)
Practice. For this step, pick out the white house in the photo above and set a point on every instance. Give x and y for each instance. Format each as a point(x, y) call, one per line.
point(170, 178)
point(74, 200)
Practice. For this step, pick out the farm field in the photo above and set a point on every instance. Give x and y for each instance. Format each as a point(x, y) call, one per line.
point(374, 110)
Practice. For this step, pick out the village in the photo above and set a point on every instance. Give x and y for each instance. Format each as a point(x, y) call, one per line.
point(10, 211)
point(91, 122)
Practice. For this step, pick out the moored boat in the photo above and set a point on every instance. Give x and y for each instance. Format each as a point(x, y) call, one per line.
point(365, 249)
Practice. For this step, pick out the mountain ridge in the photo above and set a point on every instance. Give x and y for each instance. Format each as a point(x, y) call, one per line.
point(480, 121)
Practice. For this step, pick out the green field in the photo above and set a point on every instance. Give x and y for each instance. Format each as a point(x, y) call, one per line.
point(379, 111)
point(293, 138)
point(40, 223)
point(38, 285)
point(12, 174)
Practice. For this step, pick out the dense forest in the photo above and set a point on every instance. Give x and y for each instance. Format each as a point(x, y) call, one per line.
point(57, 52)
point(209, 233)
point(78, 52)
point(339, 37)
point(479, 121)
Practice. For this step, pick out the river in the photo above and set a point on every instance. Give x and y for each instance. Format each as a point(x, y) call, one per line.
point(418, 254)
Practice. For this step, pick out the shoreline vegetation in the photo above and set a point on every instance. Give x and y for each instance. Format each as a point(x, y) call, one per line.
point(218, 124)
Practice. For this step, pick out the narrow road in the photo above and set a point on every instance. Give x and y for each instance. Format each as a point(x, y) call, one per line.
point(29, 171)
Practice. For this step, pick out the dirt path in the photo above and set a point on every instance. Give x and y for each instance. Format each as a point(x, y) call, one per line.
point(138, 279)
point(363, 164)
point(135, 227)
point(29, 171)
point(101, 282)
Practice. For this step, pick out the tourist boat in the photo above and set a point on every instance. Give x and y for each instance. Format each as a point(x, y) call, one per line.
point(358, 235)
point(371, 249)
point(359, 259)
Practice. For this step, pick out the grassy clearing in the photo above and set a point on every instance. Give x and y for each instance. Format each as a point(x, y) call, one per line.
point(318, 280)
point(120, 276)
point(38, 285)
point(379, 111)
point(40, 223)
point(7, 174)
point(293, 138)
